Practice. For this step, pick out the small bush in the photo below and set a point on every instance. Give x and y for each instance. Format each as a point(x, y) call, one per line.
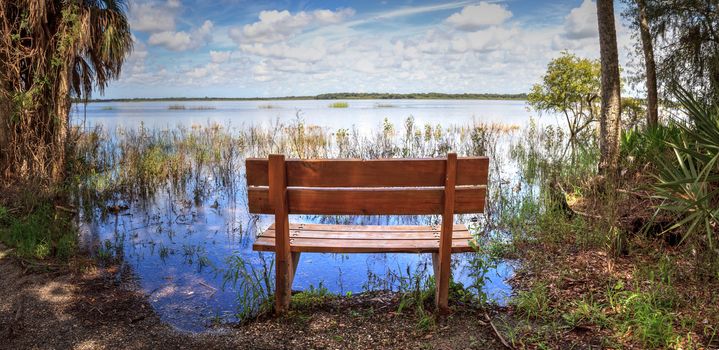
point(39, 235)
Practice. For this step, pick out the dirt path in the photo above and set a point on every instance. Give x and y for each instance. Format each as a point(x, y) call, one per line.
point(89, 310)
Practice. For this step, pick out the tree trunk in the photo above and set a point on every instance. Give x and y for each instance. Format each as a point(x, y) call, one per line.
point(650, 67)
point(4, 137)
point(61, 121)
point(609, 119)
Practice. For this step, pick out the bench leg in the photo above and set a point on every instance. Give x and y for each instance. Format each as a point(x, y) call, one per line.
point(435, 267)
point(295, 262)
point(442, 289)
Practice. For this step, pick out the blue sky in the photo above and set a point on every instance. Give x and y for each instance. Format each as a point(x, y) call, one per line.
point(237, 48)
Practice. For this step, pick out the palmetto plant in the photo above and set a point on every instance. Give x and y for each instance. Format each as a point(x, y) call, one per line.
point(688, 180)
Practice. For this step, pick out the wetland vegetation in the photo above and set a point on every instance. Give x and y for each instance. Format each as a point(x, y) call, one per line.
point(600, 229)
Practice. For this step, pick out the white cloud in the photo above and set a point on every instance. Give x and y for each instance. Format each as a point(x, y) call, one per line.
point(581, 23)
point(280, 25)
point(153, 17)
point(309, 52)
point(220, 56)
point(475, 17)
point(490, 39)
point(285, 53)
point(182, 41)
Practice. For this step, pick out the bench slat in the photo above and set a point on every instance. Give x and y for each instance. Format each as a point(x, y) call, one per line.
point(370, 173)
point(366, 201)
point(397, 235)
point(369, 228)
point(353, 239)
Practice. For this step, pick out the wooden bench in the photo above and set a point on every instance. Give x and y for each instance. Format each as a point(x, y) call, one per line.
point(364, 187)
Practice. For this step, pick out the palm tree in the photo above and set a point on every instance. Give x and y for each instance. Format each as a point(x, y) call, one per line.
point(52, 52)
point(609, 119)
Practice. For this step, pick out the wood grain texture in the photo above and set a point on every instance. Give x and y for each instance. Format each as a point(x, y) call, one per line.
point(370, 173)
point(353, 240)
point(369, 201)
point(446, 241)
point(283, 256)
point(388, 233)
point(368, 228)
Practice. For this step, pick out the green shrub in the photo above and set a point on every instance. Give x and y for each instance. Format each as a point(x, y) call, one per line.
point(41, 234)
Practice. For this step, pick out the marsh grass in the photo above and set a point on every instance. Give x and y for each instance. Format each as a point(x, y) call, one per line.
point(178, 107)
point(139, 166)
point(339, 105)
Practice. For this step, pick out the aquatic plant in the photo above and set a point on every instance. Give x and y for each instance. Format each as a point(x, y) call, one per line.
point(339, 105)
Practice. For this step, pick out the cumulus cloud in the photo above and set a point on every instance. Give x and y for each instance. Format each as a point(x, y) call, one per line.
point(581, 23)
point(280, 25)
point(220, 56)
point(309, 52)
point(182, 41)
point(153, 17)
point(478, 48)
point(480, 16)
point(490, 39)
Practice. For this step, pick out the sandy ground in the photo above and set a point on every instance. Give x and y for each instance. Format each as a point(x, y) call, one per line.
point(89, 310)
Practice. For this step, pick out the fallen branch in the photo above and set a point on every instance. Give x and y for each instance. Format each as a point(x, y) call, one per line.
point(632, 193)
point(66, 209)
point(586, 215)
point(496, 332)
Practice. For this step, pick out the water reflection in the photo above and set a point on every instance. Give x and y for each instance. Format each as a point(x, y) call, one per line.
point(178, 247)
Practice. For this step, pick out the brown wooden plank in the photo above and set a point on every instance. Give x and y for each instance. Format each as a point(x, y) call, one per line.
point(370, 173)
point(399, 235)
point(361, 245)
point(368, 201)
point(382, 228)
point(283, 255)
point(472, 171)
point(256, 171)
point(446, 241)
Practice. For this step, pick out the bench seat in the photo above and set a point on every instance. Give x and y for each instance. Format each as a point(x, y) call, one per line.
point(365, 239)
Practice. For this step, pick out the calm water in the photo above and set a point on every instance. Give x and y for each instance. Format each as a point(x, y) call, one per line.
point(176, 247)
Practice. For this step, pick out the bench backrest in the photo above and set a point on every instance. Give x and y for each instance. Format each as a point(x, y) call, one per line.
point(368, 187)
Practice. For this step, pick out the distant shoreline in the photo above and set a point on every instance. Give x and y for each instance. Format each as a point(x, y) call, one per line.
point(332, 96)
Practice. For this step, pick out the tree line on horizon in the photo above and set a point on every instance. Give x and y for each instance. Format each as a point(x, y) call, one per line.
point(334, 96)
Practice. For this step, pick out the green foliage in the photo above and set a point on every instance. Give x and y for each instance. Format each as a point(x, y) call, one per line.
point(633, 112)
point(533, 303)
point(685, 35)
point(39, 235)
point(311, 297)
point(688, 182)
point(570, 87)
point(647, 314)
point(255, 286)
point(641, 146)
